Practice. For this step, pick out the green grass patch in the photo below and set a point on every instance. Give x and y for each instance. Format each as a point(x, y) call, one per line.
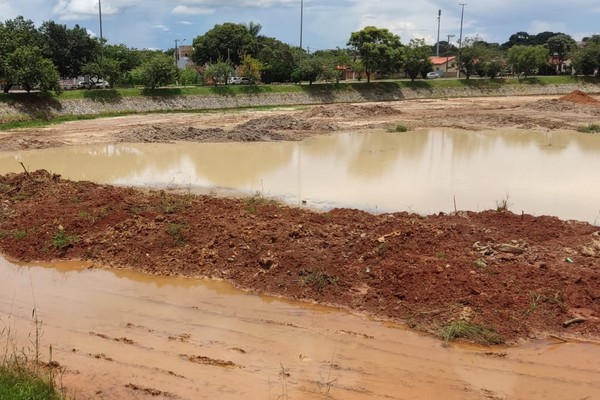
point(318, 280)
point(467, 330)
point(592, 128)
point(19, 380)
point(400, 128)
point(62, 240)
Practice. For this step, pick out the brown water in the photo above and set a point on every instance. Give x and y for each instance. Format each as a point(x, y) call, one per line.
point(114, 330)
point(423, 171)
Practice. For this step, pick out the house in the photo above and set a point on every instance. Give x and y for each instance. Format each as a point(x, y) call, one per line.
point(184, 56)
point(444, 66)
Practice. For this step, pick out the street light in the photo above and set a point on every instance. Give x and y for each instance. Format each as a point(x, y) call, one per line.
point(101, 41)
point(462, 15)
point(448, 51)
point(437, 53)
point(301, 19)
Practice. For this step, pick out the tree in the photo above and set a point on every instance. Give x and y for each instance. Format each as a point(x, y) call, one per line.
point(586, 59)
point(378, 48)
point(278, 60)
point(250, 67)
point(69, 49)
point(158, 71)
point(518, 39)
point(27, 67)
point(473, 52)
point(416, 59)
point(189, 77)
point(560, 46)
point(14, 34)
point(309, 69)
point(228, 41)
point(527, 59)
point(219, 72)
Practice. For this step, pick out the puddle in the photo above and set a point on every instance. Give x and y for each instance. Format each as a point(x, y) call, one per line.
point(552, 173)
point(122, 334)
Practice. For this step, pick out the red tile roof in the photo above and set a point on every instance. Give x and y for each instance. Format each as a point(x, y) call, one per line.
point(441, 60)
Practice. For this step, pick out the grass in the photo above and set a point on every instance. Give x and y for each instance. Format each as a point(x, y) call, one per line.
point(318, 280)
point(503, 204)
point(462, 329)
point(175, 230)
point(400, 128)
point(23, 376)
point(255, 201)
point(62, 240)
point(592, 128)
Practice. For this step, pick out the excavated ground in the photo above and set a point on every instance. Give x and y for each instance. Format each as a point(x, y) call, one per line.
point(520, 275)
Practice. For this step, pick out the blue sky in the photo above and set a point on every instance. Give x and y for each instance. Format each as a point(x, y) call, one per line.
point(326, 23)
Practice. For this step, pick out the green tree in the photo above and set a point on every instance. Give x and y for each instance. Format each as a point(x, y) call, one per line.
point(69, 49)
point(14, 34)
point(527, 59)
point(158, 71)
point(309, 69)
point(416, 59)
point(228, 41)
point(586, 59)
point(219, 72)
point(189, 77)
point(473, 52)
point(250, 67)
point(277, 59)
point(27, 67)
point(378, 49)
point(560, 46)
point(518, 39)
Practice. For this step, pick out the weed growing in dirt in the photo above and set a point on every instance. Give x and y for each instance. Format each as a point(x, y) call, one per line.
point(23, 377)
point(462, 329)
point(382, 248)
point(20, 197)
point(400, 128)
point(62, 240)
point(592, 128)
point(503, 204)
point(318, 280)
point(175, 231)
point(255, 201)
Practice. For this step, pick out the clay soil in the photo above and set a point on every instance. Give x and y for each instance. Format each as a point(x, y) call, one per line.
point(519, 275)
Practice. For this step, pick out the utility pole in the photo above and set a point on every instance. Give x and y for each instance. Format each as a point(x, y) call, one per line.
point(301, 19)
point(462, 15)
point(448, 51)
point(437, 53)
point(101, 39)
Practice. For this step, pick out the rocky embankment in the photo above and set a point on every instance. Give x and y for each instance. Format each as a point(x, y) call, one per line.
point(48, 108)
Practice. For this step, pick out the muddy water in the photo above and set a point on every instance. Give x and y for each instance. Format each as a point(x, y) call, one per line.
point(124, 335)
point(551, 173)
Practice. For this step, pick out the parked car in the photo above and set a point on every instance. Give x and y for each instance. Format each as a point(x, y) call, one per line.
point(432, 75)
point(99, 84)
point(240, 80)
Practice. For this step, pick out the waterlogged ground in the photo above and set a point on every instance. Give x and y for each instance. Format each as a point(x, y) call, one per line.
point(126, 335)
point(512, 276)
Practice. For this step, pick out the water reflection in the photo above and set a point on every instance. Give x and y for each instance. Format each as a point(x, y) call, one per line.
point(421, 171)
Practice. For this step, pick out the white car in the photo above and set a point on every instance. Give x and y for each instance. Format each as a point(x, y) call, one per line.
point(239, 80)
point(432, 75)
point(100, 84)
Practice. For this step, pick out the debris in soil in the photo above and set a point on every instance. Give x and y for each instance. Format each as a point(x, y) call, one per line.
point(507, 270)
point(210, 361)
point(350, 111)
point(150, 391)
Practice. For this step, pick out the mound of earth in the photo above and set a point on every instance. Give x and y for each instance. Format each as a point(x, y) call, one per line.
point(520, 275)
point(350, 111)
point(579, 97)
point(282, 122)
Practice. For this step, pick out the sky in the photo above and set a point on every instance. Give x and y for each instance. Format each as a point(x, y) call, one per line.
point(326, 24)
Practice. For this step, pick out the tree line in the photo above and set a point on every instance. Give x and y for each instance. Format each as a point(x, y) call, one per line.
point(37, 57)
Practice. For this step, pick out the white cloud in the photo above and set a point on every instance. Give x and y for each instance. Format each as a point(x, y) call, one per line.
point(187, 10)
point(162, 28)
point(538, 26)
point(82, 9)
point(237, 3)
point(186, 23)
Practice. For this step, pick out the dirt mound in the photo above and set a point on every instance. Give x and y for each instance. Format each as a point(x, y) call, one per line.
point(282, 123)
point(349, 111)
point(519, 274)
point(579, 97)
point(563, 106)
